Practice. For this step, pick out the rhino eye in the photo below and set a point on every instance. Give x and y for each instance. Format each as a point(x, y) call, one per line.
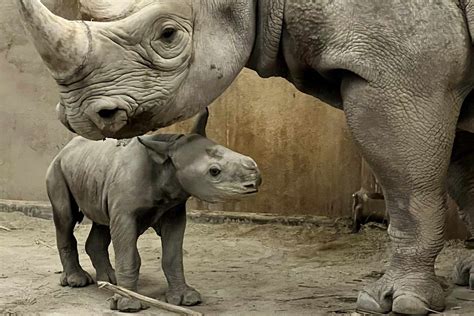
point(168, 34)
point(214, 171)
point(170, 43)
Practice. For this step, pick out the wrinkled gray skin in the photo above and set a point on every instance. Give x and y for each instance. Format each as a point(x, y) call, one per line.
point(402, 71)
point(127, 189)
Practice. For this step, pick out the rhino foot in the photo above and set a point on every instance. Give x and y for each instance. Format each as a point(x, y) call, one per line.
point(403, 293)
point(187, 296)
point(107, 276)
point(464, 272)
point(78, 278)
point(125, 304)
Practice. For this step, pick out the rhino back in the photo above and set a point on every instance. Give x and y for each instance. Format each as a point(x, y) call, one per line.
point(379, 41)
point(90, 168)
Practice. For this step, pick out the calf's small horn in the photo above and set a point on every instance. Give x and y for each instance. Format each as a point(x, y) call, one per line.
point(63, 44)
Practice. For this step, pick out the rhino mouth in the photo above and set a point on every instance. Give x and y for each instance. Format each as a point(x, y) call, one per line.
point(252, 187)
point(107, 122)
point(251, 192)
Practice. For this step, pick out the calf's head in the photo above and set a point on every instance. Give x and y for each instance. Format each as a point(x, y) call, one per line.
point(143, 64)
point(206, 170)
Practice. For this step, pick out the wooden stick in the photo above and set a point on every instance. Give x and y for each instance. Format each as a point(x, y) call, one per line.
point(312, 297)
point(5, 228)
point(130, 294)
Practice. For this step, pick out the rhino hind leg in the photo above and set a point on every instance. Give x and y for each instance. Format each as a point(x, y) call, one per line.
point(407, 142)
point(66, 214)
point(97, 246)
point(461, 188)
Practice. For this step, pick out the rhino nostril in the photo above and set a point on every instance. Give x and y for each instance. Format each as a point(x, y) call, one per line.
point(250, 186)
point(108, 120)
point(107, 113)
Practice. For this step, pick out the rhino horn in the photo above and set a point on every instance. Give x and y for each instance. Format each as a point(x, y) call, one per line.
point(64, 45)
point(106, 10)
point(201, 123)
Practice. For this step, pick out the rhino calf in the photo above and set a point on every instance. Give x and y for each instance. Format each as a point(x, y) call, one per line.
point(127, 189)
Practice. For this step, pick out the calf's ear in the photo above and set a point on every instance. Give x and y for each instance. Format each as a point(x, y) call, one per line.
point(158, 150)
point(201, 123)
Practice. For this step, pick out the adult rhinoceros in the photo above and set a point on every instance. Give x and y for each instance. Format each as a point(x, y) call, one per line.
point(402, 71)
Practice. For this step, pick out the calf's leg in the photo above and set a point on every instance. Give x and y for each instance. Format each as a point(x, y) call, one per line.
point(124, 233)
point(171, 228)
point(407, 139)
point(461, 188)
point(65, 215)
point(97, 247)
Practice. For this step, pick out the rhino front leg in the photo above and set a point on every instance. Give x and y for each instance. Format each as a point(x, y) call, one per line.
point(406, 136)
point(124, 233)
point(65, 215)
point(171, 228)
point(461, 188)
point(97, 247)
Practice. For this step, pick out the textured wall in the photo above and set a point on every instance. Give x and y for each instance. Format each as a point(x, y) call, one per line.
point(308, 162)
point(30, 134)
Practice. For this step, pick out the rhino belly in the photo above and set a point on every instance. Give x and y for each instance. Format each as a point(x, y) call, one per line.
point(90, 198)
point(466, 117)
point(95, 214)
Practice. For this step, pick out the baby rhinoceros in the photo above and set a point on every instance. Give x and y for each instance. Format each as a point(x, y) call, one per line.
point(127, 189)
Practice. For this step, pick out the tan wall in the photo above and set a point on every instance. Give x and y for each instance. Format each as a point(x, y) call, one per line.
point(308, 162)
point(29, 133)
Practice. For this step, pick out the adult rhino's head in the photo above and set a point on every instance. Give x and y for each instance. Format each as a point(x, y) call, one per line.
point(140, 64)
point(206, 170)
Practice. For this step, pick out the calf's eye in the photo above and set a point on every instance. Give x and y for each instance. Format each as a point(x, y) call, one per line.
point(214, 171)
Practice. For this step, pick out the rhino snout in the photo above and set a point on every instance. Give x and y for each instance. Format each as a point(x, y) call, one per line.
point(252, 185)
point(259, 181)
point(62, 117)
point(108, 119)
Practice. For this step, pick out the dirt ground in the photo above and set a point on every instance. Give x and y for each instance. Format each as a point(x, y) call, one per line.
point(240, 269)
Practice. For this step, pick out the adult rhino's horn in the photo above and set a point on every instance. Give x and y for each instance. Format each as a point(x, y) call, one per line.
point(106, 10)
point(64, 45)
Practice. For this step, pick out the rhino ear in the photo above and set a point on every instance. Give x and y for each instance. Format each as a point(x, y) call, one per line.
point(201, 123)
point(158, 150)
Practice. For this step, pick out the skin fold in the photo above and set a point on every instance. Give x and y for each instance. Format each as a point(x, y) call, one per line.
point(126, 188)
point(400, 70)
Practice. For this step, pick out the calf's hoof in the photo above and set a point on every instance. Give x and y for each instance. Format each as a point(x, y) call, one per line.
point(125, 304)
point(464, 272)
point(106, 276)
point(403, 293)
point(78, 278)
point(187, 296)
